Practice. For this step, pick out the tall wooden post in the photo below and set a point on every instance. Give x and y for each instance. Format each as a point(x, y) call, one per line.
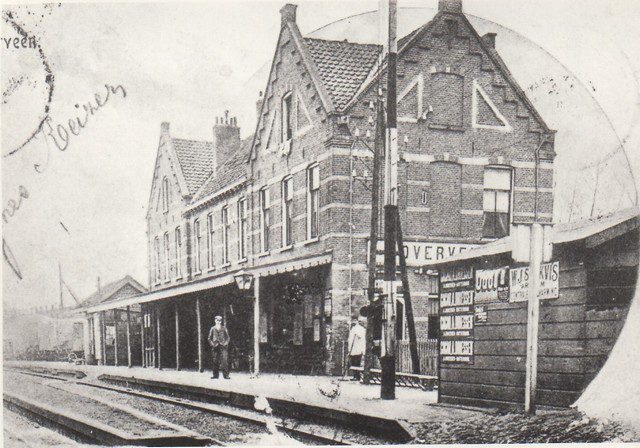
point(387, 360)
point(378, 150)
point(158, 338)
point(103, 338)
point(115, 337)
point(411, 326)
point(199, 323)
point(142, 340)
point(129, 336)
point(177, 316)
point(256, 325)
point(533, 316)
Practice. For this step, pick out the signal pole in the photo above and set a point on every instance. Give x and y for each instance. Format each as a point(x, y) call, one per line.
point(388, 359)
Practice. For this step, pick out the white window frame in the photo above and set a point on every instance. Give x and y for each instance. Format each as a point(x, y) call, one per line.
point(287, 118)
point(224, 220)
point(264, 218)
point(210, 242)
point(287, 211)
point(242, 229)
point(167, 257)
point(165, 195)
point(197, 246)
point(495, 190)
point(158, 269)
point(178, 241)
point(313, 201)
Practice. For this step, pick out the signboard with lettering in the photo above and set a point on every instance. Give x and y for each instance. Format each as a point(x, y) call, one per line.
point(548, 288)
point(492, 285)
point(456, 315)
point(418, 253)
point(481, 314)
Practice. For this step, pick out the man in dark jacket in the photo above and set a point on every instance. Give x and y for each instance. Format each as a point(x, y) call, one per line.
point(219, 342)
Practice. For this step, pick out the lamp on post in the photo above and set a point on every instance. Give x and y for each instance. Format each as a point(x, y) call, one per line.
point(244, 280)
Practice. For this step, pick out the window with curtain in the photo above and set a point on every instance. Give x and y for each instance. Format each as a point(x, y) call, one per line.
point(197, 246)
point(158, 270)
point(167, 257)
point(210, 241)
point(225, 234)
point(264, 219)
point(313, 200)
point(242, 229)
point(287, 211)
point(178, 238)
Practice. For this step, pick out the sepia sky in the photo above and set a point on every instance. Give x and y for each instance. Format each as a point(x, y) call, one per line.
point(188, 62)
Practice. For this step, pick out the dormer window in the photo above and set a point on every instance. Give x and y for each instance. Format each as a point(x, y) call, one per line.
point(287, 122)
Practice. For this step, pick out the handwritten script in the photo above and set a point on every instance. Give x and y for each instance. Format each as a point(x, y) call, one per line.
point(61, 135)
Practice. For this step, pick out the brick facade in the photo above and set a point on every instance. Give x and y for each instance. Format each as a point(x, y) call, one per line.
point(460, 111)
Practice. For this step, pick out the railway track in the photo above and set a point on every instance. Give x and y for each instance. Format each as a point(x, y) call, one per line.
point(227, 416)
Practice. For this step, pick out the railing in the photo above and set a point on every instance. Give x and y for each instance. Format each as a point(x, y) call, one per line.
point(427, 354)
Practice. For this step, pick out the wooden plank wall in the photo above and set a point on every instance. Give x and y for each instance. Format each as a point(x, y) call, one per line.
point(575, 337)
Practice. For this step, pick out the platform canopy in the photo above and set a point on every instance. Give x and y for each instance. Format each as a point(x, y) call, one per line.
point(215, 282)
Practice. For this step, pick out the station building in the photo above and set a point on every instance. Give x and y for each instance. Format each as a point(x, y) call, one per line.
point(289, 208)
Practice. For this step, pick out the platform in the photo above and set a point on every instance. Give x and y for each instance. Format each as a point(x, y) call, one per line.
point(411, 405)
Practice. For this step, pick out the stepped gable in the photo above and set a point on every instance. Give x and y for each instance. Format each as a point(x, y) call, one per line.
point(197, 159)
point(233, 170)
point(343, 66)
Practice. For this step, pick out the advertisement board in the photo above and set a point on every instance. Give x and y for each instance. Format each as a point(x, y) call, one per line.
point(492, 285)
point(456, 315)
point(548, 288)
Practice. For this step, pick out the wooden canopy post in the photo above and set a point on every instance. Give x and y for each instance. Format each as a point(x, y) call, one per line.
point(176, 313)
point(158, 338)
point(142, 341)
point(128, 336)
point(115, 337)
point(199, 323)
point(256, 326)
point(103, 338)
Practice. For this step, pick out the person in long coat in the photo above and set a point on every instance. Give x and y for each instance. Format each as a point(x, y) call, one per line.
point(219, 342)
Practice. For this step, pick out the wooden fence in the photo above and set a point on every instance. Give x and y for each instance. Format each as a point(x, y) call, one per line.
point(427, 353)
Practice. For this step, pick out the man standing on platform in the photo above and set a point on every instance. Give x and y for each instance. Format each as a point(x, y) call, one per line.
point(356, 344)
point(219, 342)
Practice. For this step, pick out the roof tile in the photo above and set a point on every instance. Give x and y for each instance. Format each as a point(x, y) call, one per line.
point(196, 160)
point(343, 66)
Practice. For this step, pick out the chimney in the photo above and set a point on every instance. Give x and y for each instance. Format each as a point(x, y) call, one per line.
point(226, 138)
point(259, 105)
point(98, 281)
point(288, 14)
point(490, 39)
point(454, 6)
point(164, 128)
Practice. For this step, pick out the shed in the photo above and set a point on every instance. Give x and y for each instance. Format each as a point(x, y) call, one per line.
point(589, 285)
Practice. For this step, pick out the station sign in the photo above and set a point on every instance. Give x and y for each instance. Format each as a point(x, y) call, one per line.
point(418, 253)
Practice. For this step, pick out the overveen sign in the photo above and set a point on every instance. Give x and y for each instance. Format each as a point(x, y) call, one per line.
point(417, 253)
